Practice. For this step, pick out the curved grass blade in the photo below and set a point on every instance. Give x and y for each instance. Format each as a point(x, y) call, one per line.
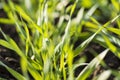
point(73, 7)
point(114, 30)
point(6, 21)
point(112, 47)
point(22, 13)
point(35, 74)
point(83, 45)
point(17, 75)
point(91, 66)
point(11, 44)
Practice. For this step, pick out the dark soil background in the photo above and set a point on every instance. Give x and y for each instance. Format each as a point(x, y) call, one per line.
point(12, 60)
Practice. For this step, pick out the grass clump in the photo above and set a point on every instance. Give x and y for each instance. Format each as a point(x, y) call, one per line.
point(48, 31)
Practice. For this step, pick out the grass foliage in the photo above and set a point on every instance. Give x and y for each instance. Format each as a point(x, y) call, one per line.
point(48, 31)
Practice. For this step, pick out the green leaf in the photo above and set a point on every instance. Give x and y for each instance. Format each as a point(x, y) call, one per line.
point(35, 74)
point(91, 25)
point(6, 21)
point(73, 8)
point(22, 13)
point(91, 11)
point(5, 44)
point(24, 67)
point(84, 44)
point(85, 73)
point(10, 44)
point(112, 47)
point(114, 30)
point(94, 20)
point(13, 72)
point(115, 4)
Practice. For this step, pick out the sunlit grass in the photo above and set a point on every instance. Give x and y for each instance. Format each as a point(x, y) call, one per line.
point(48, 31)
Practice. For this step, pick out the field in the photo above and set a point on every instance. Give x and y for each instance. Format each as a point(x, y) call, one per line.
point(59, 39)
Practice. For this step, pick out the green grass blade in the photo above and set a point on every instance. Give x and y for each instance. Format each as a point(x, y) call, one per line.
point(11, 44)
point(27, 39)
point(73, 7)
point(91, 11)
point(83, 45)
point(22, 33)
point(91, 66)
point(22, 13)
point(6, 21)
point(94, 20)
point(66, 35)
point(24, 67)
point(37, 27)
point(13, 72)
point(112, 47)
point(5, 44)
point(91, 25)
point(35, 74)
point(115, 4)
point(114, 30)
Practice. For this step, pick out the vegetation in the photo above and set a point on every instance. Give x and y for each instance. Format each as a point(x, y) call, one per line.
point(49, 31)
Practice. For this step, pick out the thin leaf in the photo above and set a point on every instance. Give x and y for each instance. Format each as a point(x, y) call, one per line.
point(6, 21)
point(78, 17)
point(112, 47)
point(114, 30)
point(13, 72)
point(83, 45)
point(105, 75)
point(73, 7)
point(10, 43)
point(91, 66)
point(115, 4)
point(91, 11)
point(22, 13)
point(35, 74)
point(91, 25)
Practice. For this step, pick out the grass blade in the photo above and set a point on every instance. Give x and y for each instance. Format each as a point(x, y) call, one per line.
point(11, 44)
point(83, 45)
point(91, 66)
point(114, 30)
point(6, 21)
point(105, 75)
point(13, 72)
point(112, 47)
point(35, 74)
point(115, 4)
point(91, 11)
